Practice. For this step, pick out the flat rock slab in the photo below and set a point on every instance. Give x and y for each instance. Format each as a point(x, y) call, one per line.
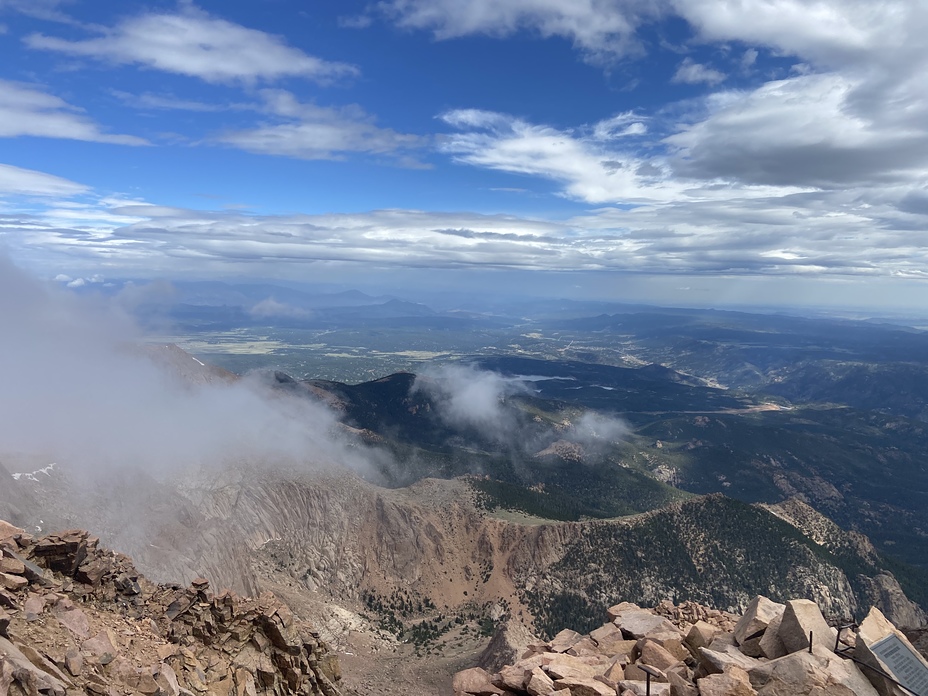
point(735, 682)
point(820, 672)
point(564, 641)
point(585, 687)
point(719, 661)
point(640, 624)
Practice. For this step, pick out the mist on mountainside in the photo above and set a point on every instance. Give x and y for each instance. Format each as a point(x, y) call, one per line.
point(78, 389)
point(469, 397)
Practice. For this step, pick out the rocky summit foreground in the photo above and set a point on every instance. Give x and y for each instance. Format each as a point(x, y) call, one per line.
point(76, 618)
point(773, 649)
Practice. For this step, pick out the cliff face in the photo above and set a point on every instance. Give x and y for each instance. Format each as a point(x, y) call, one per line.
point(352, 541)
point(75, 616)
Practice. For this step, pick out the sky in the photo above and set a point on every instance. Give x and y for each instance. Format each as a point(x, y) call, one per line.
point(681, 151)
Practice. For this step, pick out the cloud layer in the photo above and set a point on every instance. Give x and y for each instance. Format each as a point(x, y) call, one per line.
point(717, 232)
point(800, 148)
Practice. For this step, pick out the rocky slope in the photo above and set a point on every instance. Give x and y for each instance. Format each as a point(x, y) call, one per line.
point(75, 617)
point(690, 650)
point(392, 574)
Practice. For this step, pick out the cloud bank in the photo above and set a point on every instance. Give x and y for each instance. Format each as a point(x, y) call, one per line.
point(79, 390)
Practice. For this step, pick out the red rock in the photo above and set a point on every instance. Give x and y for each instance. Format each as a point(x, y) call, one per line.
point(34, 607)
point(12, 582)
point(12, 566)
point(475, 681)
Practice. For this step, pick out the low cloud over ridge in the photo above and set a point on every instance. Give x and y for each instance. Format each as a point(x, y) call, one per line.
point(79, 388)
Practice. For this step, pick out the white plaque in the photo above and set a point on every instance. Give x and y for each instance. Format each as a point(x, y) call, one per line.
point(904, 663)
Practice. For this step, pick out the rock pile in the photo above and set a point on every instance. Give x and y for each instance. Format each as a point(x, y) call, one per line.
point(773, 649)
point(75, 618)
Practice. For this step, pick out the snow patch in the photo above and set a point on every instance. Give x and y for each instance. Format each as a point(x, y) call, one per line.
point(33, 475)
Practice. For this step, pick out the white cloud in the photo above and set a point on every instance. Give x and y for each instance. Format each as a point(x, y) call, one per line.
point(832, 33)
point(801, 131)
point(28, 110)
point(104, 404)
point(693, 73)
point(591, 167)
point(796, 234)
point(620, 126)
point(307, 131)
point(47, 10)
point(194, 44)
point(467, 397)
point(602, 29)
point(17, 181)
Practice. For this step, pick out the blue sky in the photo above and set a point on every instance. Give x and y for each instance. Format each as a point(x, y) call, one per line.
point(682, 151)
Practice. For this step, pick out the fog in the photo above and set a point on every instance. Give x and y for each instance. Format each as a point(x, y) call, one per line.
point(467, 397)
point(596, 430)
point(76, 388)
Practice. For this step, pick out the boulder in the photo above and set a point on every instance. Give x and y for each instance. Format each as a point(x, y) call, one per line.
point(8, 531)
point(614, 672)
point(877, 628)
point(513, 678)
point(638, 623)
point(581, 686)
point(771, 646)
point(13, 582)
point(475, 681)
point(24, 672)
point(12, 566)
point(613, 612)
point(701, 634)
point(607, 634)
point(33, 607)
point(680, 686)
point(719, 661)
point(563, 641)
point(539, 683)
point(640, 688)
point(734, 682)
point(820, 672)
point(566, 666)
point(753, 624)
point(652, 653)
point(800, 618)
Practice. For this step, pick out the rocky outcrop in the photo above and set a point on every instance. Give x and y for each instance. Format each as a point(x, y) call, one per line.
point(77, 617)
point(691, 650)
